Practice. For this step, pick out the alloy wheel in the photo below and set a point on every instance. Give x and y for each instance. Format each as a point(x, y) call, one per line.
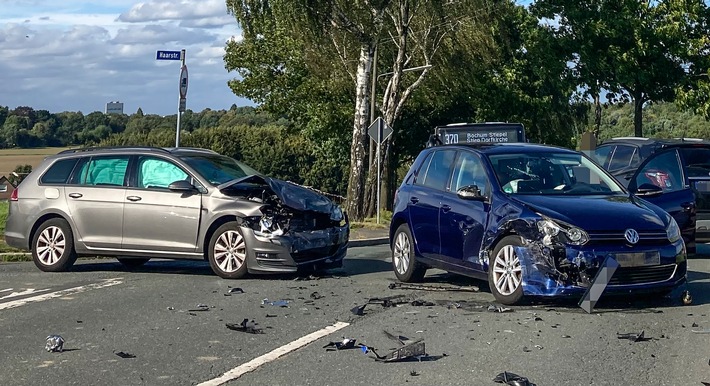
point(507, 272)
point(402, 253)
point(230, 251)
point(51, 245)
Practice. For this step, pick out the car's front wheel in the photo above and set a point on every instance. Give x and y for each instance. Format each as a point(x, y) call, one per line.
point(405, 266)
point(228, 252)
point(53, 246)
point(505, 272)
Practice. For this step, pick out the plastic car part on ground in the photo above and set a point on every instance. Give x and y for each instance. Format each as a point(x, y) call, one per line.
point(277, 303)
point(599, 283)
point(512, 379)
point(200, 307)
point(414, 350)
point(499, 308)
point(633, 336)
point(125, 355)
point(432, 287)
point(55, 343)
point(344, 344)
point(686, 298)
point(248, 326)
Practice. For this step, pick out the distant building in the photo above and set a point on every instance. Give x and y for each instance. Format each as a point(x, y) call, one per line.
point(114, 108)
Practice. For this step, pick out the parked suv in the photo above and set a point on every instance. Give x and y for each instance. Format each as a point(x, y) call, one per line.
point(679, 171)
point(138, 203)
point(532, 220)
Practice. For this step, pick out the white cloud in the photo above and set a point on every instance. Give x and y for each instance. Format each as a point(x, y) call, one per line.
point(73, 55)
point(173, 10)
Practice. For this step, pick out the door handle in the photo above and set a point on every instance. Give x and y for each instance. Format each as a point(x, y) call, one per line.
point(687, 206)
point(133, 198)
point(76, 195)
point(414, 200)
point(445, 208)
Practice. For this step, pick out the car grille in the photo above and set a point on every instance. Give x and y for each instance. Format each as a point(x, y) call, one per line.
point(617, 238)
point(642, 275)
point(315, 253)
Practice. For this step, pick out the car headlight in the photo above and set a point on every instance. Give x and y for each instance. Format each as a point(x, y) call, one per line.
point(337, 214)
point(552, 230)
point(673, 231)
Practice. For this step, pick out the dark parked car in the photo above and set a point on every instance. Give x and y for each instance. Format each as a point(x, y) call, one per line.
point(532, 220)
point(137, 203)
point(678, 171)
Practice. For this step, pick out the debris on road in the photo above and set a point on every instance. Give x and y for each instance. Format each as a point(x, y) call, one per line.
point(125, 355)
point(512, 379)
point(200, 307)
point(248, 326)
point(414, 373)
point(415, 350)
point(537, 346)
point(499, 308)
point(433, 287)
point(420, 303)
point(686, 298)
point(389, 301)
point(344, 344)
point(633, 336)
point(276, 303)
point(316, 296)
point(359, 310)
point(403, 340)
point(705, 331)
point(235, 290)
point(55, 343)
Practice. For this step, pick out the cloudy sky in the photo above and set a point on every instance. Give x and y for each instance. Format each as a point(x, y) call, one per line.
point(77, 55)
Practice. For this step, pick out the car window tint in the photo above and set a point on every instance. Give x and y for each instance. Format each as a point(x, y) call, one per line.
point(103, 171)
point(158, 173)
point(696, 161)
point(622, 157)
point(663, 170)
point(601, 155)
point(437, 174)
point(59, 172)
point(421, 173)
point(469, 171)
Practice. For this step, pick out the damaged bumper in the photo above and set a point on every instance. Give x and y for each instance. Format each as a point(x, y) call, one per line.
point(653, 270)
point(294, 251)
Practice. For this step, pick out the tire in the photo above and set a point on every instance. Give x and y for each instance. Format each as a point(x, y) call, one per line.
point(53, 246)
point(505, 273)
point(404, 262)
point(132, 263)
point(227, 252)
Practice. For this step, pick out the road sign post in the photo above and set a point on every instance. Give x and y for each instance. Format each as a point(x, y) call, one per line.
point(379, 131)
point(182, 99)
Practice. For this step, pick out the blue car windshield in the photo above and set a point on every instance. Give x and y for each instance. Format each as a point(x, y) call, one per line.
point(550, 174)
point(218, 169)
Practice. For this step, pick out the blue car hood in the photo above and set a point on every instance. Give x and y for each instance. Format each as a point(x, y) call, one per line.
point(291, 195)
point(596, 213)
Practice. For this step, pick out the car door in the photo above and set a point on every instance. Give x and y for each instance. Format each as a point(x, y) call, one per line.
point(696, 166)
point(154, 217)
point(663, 169)
point(462, 222)
point(95, 197)
point(425, 201)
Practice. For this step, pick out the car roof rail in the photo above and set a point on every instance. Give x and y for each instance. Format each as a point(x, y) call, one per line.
point(99, 148)
point(195, 149)
point(638, 138)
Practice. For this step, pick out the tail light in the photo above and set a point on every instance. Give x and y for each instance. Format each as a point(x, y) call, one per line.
point(13, 195)
point(659, 178)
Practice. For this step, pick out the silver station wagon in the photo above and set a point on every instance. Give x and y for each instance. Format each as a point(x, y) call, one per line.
point(137, 203)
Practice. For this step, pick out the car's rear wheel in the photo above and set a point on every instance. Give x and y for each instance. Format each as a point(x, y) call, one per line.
point(131, 262)
point(53, 246)
point(228, 252)
point(405, 266)
point(505, 272)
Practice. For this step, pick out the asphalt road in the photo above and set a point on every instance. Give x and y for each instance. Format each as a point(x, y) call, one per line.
point(100, 310)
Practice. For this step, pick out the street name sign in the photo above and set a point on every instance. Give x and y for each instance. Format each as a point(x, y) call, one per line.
point(168, 55)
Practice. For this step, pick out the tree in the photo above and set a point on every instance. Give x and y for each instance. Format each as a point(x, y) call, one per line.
point(19, 174)
point(636, 50)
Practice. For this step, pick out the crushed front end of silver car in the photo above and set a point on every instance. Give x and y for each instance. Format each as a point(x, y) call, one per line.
point(296, 228)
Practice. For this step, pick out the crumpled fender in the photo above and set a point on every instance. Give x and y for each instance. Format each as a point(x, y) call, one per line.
point(291, 195)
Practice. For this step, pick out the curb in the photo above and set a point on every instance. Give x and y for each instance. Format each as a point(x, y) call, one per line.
point(368, 242)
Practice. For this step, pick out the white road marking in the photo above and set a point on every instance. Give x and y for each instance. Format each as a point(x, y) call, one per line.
point(57, 294)
point(28, 291)
point(273, 355)
point(5, 290)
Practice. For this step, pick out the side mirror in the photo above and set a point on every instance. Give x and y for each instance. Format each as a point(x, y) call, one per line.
point(648, 190)
point(470, 192)
point(181, 186)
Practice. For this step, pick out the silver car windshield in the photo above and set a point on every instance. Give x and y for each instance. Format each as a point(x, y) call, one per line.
point(551, 173)
point(218, 169)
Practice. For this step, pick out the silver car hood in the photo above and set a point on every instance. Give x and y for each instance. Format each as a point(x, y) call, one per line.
point(291, 195)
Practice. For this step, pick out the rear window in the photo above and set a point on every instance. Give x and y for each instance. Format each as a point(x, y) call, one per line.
point(59, 172)
point(697, 161)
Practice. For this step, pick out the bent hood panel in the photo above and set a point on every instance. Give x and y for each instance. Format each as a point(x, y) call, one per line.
point(596, 213)
point(291, 195)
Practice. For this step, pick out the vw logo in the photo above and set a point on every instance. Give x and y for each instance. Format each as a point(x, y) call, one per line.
point(631, 236)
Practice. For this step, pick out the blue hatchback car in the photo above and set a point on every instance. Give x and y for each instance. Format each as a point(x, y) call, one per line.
point(533, 220)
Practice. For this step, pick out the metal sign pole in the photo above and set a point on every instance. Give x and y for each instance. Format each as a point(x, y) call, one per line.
point(180, 99)
point(379, 146)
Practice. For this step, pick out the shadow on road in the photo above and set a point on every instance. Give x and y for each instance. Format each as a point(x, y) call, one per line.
point(183, 267)
point(365, 266)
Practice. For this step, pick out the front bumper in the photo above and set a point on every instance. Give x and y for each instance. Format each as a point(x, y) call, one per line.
point(540, 281)
point(296, 251)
